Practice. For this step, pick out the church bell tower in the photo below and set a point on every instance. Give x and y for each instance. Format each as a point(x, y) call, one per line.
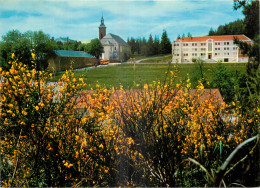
point(102, 29)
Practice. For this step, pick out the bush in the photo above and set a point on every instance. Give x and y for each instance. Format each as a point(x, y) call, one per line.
point(59, 135)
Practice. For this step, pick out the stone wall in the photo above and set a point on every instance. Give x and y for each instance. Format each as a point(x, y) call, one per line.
point(58, 64)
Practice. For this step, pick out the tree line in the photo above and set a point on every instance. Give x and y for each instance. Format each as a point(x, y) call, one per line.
point(42, 45)
point(248, 26)
point(150, 47)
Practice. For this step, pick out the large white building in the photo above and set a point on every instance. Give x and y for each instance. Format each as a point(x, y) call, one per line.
point(209, 48)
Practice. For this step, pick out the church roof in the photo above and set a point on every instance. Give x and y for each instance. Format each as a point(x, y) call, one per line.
point(116, 38)
point(102, 22)
point(70, 53)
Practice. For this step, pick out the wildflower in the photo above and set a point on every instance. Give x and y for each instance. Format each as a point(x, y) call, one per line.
point(146, 86)
point(101, 146)
point(33, 55)
point(36, 108)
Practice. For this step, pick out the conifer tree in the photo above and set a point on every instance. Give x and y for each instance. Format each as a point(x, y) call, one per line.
point(165, 45)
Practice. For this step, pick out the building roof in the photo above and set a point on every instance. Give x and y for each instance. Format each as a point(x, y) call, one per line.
point(102, 22)
point(199, 95)
point(207, 94)
point(115, 37)
point(64, 39)
point(215, 38)
point(70, 53)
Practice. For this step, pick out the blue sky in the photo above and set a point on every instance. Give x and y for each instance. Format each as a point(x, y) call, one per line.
point(79, 19)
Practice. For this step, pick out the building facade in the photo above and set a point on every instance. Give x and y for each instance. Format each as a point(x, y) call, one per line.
point(65, 59)
point(209, 48)
point(115, 48)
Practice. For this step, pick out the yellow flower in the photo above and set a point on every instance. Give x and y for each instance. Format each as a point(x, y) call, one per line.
point(250, 120)
point(146, 86)
point(33, 55)
point(36, 108)
point(41, 104)
point(13, 55)
point(101, 146)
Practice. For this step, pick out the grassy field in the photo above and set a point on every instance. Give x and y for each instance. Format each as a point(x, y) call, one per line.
point(129, 75)
point(158, 59)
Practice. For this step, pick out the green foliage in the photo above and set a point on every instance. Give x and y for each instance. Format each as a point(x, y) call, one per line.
point(198, 73)
point(222, 80)
point(15, 42)
point(248, 26)
point(151, 47)
point(233, 28)
point(165, 45)
point(23, 44)
point(94, 48)
point(251, 12)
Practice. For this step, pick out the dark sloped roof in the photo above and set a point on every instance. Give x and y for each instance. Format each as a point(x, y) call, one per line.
point(116, 38)
point(70, 53)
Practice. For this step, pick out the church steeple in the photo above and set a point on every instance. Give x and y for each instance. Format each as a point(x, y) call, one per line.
point(102, 29)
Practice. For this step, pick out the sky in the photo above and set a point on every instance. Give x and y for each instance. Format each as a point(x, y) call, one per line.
point(80, 19)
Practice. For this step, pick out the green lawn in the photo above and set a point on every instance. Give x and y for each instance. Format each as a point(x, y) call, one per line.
point(141, 73)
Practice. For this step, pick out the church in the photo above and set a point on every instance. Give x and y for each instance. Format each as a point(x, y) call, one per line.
point(115, 48)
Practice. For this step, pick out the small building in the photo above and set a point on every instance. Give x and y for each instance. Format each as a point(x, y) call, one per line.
point(64, 59)
point(209, 48)
point(115, 48)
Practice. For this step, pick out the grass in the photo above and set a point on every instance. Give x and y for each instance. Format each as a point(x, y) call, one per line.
point(158, 59)
point(129, 75)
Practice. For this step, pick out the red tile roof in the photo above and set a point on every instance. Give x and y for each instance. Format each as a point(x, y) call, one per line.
point(215, 38)
point(199, 96)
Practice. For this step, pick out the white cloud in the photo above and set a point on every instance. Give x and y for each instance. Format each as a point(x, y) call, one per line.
point(79, 19)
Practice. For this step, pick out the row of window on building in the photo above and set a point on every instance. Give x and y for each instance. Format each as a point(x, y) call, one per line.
point(204, 49)
point(204, 44)
point(204, 54)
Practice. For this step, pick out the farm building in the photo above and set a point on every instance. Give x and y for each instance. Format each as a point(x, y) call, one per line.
point(63, 59)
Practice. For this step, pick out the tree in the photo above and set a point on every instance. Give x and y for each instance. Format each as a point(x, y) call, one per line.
point(251, 12)
point(15, 43)
point(156, 45)
point(150, 49)
point(82, 47)
point(95, 48)
point(23, 44)
point(233, 28)
point(165, 45)
point(43, 48)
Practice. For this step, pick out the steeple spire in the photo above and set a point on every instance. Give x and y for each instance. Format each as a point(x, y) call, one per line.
point(102, 28)
point(102, 22)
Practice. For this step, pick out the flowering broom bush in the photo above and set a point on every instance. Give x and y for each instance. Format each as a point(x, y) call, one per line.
point(46, 140)
point(56, 134)
point(163, 125)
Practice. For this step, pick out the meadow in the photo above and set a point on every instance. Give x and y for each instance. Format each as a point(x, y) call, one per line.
point(129, 75)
